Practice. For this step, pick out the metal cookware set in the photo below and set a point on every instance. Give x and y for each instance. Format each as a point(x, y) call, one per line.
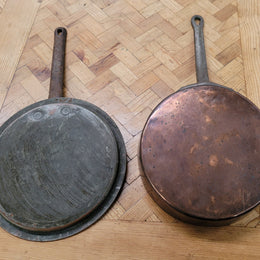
point(63, 160)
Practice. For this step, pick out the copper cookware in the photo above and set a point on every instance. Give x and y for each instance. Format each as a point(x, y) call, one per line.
point(62, 163)
point(200, 149)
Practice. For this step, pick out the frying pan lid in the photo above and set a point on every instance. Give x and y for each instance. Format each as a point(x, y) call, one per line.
point(59, 161)
point(200, 152)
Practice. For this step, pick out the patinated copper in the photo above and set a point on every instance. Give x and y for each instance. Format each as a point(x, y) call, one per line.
point(62, 163)
point(200, 152)
point(58, 63)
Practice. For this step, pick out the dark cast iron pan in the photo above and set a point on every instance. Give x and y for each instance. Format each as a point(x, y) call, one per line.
point(200, 149)
point(62, 163)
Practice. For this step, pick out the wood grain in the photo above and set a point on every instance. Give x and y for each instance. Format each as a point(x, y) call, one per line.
point(250, 42)
point(16, 21)
point(136, 240)
point(125, 56)
point(2, 4)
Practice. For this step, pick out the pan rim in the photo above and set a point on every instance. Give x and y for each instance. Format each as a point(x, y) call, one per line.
point(156, 195)
point(107, 202)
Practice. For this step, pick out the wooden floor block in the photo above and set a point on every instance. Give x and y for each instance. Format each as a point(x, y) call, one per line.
point(13, 38)
point(125, 56)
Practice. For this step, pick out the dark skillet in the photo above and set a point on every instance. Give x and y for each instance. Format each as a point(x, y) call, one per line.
point(62, 163)
point(200, 149)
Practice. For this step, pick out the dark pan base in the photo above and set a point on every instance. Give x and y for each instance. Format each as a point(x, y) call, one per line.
point(102, 208)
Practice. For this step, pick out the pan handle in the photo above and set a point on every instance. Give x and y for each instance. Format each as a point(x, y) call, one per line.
point(58, 63)
point(200, 54)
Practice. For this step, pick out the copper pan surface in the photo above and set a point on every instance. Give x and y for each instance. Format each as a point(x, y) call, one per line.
point(200, 149)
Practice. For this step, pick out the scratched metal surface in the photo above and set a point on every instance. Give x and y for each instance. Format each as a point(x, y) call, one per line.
point(200, 152)
point(58, 163)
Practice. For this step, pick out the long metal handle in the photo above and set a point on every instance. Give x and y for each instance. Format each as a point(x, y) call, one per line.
point(200, 53)
point(58, 63)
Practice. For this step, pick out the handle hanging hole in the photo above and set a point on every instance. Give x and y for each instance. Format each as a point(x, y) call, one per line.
point(59, 31)
point(197, 20)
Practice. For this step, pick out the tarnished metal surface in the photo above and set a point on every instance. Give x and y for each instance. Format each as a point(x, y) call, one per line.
point(57, 168)
point(58, 63)
point(71, 179)
point(62, 164)
point(200, 150)
point(197, 23)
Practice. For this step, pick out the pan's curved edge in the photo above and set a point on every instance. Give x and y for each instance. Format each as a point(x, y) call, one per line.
point(103, 207)
point(161, 202)
point(187, 218)
point(214, 85)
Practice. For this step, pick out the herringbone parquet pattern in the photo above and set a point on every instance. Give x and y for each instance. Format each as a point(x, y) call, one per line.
point(125, 56)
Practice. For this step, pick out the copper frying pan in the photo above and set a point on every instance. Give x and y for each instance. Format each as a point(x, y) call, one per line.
point(200, 149)
point(62, 163)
